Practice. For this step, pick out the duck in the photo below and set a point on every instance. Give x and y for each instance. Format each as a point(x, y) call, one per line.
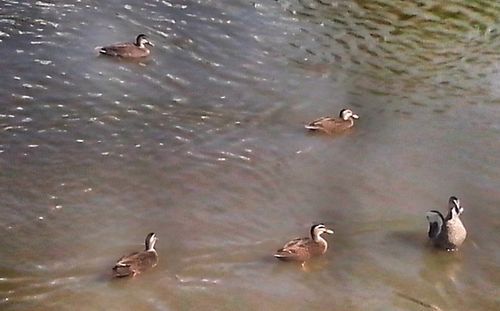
point(137, 262)
point(331, 125)
point(135, 49)
point(447, 232)
point(303, 249)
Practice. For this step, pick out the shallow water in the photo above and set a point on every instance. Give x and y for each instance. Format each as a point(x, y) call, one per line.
point(203, 143)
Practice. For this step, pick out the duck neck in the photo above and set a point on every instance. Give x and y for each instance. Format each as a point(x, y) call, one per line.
point(152, 250)
point(452, 214)
point(321, 241)
point(318, 238)
point(150, 247)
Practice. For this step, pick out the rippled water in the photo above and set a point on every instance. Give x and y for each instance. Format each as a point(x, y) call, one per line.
point(203, 143)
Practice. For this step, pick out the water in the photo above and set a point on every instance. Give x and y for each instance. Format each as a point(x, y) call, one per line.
point(203, 143)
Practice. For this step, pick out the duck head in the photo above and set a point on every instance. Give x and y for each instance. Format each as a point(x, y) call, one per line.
point(142, 40)
point(346, 114)
point(318, 229)
point(151, 241)
point(454, 206)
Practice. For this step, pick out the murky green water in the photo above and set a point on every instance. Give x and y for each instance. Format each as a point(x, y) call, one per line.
point(203, 143)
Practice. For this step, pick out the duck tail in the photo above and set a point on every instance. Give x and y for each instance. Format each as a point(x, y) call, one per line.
point(120, 271)
point(312, 127)
point(282, 254)
point(101, 49)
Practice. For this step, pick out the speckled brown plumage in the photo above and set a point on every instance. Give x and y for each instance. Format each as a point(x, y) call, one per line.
point(128, 49)
point(303, 249)
point(137, 262)
point(331, 125)
point(447, 232)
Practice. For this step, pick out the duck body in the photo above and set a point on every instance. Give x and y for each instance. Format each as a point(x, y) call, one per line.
point(448, 232)
point(303, 249)
point(332, 125)
point(136, 49)
point(137, 262)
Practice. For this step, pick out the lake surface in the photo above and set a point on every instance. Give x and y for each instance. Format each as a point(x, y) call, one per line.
point(203, 143)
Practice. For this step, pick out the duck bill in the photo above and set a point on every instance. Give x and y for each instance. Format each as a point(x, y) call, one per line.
point(329, 231)
point(355, 116)
point(150, 44)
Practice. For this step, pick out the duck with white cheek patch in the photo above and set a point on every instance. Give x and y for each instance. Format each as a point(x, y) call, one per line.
point(135, 49)
point(447, 232)
point(331, 125)
point(138, 262)
point(303, 249)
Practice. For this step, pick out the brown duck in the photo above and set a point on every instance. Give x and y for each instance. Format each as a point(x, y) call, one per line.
point(330, 125)
point(447, 232)
point(135, 49)
point(303, 249)
point(137, 262)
